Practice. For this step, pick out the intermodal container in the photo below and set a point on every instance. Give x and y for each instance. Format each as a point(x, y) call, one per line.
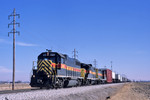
point(113, 75)
point(120, 78)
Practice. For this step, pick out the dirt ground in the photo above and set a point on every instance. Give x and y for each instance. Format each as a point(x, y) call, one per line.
point(133, 91)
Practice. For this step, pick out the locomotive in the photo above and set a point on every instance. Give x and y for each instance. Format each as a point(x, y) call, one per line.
point(56, 70)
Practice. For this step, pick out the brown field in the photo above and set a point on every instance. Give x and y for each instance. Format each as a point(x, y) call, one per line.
point(133, 91)
point(17, 86)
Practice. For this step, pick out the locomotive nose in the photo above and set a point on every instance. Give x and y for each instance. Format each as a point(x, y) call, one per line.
point(46, 66)
point(45, 72)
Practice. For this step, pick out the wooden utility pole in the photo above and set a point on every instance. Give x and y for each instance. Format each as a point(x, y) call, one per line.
point(13, 31)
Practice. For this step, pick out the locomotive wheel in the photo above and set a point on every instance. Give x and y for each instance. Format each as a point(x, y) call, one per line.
point(87, 82)
point(60, 83)
point(41, 87)
point(66, 83)
point(79, 83)
point(48, 85)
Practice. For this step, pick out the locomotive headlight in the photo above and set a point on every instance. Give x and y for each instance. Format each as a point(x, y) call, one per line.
point(33, 75)
point(48, 76)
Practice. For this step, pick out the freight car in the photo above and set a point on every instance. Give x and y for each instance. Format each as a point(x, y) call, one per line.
point(118, 78)
point(107, 75)
point(113, 77)
point(56, 70)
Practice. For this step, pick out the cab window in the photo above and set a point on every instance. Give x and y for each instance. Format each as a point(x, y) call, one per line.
point(62, 60)
point(53, 59)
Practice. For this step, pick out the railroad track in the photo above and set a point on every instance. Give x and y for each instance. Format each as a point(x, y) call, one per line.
point(35, 89)
point(18, 91)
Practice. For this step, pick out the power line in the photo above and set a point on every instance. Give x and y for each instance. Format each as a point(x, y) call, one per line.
point(13, 31)
point(95, 63)
point(75, 54)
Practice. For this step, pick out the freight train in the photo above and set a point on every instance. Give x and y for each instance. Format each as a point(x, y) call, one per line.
point(56, 70)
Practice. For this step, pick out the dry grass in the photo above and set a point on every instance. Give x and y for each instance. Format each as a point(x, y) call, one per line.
point(17, 86)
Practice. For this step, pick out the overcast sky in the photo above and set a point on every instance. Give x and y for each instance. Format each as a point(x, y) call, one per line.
point(105, 30)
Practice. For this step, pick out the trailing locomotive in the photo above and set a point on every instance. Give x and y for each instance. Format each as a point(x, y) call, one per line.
point(55, 70)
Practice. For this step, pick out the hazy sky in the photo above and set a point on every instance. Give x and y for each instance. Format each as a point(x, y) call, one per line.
point(105, 30)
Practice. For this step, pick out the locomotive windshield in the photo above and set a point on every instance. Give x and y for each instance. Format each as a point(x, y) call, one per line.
point(50, 57)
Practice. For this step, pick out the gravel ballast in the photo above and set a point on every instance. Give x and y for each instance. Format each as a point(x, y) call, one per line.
point(96, 92)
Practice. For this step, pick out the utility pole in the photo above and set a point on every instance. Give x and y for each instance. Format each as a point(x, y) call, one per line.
point(95, 63)
point(13, 31)
point(111, 65)
point(75, 54)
